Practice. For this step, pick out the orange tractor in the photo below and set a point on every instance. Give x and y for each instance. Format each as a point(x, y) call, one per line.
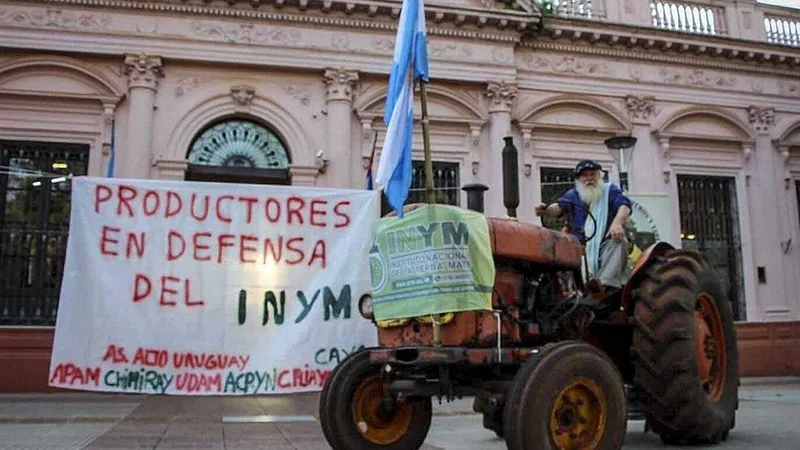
point(556, 363)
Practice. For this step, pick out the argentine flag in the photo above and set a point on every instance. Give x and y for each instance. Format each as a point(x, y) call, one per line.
point(410, 63)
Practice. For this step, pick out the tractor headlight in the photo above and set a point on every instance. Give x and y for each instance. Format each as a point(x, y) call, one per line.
point(365, 306)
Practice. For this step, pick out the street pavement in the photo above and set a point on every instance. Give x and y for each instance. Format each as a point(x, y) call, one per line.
point(767, 420)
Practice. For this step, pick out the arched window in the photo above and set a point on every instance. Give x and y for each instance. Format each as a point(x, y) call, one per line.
point(238, 150)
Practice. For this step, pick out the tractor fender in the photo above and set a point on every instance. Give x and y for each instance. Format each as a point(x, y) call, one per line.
point(640, 267)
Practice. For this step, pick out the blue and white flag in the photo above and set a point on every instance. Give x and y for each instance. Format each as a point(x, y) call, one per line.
point(410, 62)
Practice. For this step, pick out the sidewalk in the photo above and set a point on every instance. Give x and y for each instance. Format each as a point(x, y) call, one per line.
point(114, 421)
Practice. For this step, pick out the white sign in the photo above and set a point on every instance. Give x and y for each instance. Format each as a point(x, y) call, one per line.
point(211, 289)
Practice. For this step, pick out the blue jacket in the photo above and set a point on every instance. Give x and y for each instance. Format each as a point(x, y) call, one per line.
point(578, 217)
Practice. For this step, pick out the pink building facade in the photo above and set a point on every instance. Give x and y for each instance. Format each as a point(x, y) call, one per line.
point(710, 89)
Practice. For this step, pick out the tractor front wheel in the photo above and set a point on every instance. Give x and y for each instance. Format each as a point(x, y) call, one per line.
point(570, 396)
point(685, 348)
point(360, 414)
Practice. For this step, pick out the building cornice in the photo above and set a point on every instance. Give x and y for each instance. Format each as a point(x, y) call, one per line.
point(678, 59)
point(449, 21)
point(653, 44)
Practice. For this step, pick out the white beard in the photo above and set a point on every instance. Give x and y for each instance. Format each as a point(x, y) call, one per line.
point(589, 194)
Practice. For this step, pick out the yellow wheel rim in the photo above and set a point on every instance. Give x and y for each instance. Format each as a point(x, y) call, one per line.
point(376, 425)
point(579, 416)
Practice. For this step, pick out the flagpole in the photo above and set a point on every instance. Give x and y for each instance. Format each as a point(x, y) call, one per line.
point(426, 144)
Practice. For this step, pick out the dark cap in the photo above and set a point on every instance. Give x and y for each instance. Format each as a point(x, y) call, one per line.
point(585, 165)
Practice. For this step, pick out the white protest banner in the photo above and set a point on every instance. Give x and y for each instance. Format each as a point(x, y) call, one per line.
point(192, 288)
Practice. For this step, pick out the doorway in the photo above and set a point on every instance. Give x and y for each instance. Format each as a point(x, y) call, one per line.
point(709, 220)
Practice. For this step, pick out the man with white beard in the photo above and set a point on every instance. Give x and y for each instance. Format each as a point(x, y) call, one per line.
point(606, 252)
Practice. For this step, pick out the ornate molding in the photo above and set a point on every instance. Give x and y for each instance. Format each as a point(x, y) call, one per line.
point(300, 93)
point(246, 33)
point(564, 64)
point(697, 77)
point(143, 71)
point(341, 84)
point(188, 84)
point(450, 20)
point(627, 53)
point(445, 50)
point(54, 19)
point(641, 108)
point(788, 88)
point(502, 95)
point(761, 118)
point(242, 95)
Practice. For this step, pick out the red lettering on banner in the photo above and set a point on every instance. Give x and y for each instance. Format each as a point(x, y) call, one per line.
point(299, 252)
point(98, 198)
point(187, 295)
point(189, 360)
point(343, 215)
point(69, 373)
point(170, 287)
point(133, 242)
point(243, 247)
point(251, 201)
point(294, 208)
point(205, 208)
point(191, 382)
point(302, 377)
point(171, 238)
point(199, 246)
point(104, 238)
point(274, 206)
point(281, 383)
point(115, 354)
point(220, 217)
point(137, 294)
point(165, 290)
point(318, 252)
point(151, 195)
point(124, 195)
point(151, 357)
point(172, 209)
point(224, 240)
point(270, 248)
point(315, 212)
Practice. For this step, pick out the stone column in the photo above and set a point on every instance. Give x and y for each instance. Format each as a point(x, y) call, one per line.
point(766, 203)
point(644, 174)
point(108, 129)
point(143, 75)
point(502, 97)
point(341, 85)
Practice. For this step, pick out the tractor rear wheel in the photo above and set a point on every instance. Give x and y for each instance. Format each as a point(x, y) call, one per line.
point(569, 397)
point(684, 343)
point(360, 414)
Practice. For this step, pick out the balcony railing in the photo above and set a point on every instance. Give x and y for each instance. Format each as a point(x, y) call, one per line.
point(590, 9)
point(782, 30)
point(688, 17)
point(741, 20)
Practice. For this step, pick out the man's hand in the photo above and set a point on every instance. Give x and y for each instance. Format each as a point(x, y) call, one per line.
point(541, 209)
point(616, 231)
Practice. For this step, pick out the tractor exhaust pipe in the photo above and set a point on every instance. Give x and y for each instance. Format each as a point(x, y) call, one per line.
point(510, 177)
point(475, 196)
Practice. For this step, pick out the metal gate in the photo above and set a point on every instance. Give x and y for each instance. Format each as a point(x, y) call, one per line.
point(35, 191)
point(710, 224)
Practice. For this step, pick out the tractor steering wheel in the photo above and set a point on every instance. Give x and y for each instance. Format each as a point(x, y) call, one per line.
point(589, 214)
